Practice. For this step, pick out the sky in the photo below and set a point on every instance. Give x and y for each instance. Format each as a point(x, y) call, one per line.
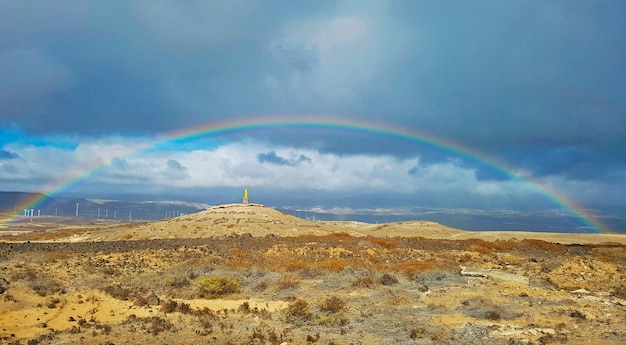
point(524, 102)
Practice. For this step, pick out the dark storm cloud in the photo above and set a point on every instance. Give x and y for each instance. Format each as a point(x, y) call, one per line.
point(136, 67)
point(175, 165)
point(5, 155)
point(538, 85)
point(272, 158)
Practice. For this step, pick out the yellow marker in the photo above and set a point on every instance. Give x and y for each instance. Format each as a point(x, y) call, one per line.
point(245, 196)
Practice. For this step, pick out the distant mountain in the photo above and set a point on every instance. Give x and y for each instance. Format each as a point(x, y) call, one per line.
point(10, 201)
point(15, 202)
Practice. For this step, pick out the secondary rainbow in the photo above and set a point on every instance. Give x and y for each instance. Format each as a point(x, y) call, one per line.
point(319, 122)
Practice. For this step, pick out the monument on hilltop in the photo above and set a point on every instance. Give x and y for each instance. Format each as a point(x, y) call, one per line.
point(245, 196)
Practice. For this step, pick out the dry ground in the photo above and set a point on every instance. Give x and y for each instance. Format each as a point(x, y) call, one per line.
point(248, 274)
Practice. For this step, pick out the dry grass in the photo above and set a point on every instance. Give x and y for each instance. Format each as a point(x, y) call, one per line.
point(287, 281)
point(411, 269)
point(386, 243)
point(333, 265)
point(256, 290)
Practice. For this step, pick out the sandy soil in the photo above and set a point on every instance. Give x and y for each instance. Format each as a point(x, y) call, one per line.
point(248, 274)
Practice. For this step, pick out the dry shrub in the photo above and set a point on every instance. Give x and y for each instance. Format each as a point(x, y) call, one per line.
point(333, 265)
point(244, 308)
point(411, 269)
point(287, 281)
point(543, 245)
point(332, 304)
point(487, 247)
point(340, 234)
point(237, 264)
point(117, 291)
point(479, 308)
point(173, 306)
point(236, 253)
point(176, 281)
point(388, 279)
point(620, 291)
point(611, 253)
point(479, 248)
point(158, 325)
point(217, 286)
point(40, 282)
point(365, 281)
point(296, 265)
point(298, 312)
point(386, 243)
point(418, 332)
point(502, 245)
point(261, 286)
point(52, 302)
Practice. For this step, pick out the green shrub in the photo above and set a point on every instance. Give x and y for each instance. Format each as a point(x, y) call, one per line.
point(217, 285)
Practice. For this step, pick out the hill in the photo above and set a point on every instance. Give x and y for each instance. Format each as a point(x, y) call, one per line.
point(257, 220)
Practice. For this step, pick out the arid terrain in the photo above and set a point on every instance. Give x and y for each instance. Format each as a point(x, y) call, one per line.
point(249, 274)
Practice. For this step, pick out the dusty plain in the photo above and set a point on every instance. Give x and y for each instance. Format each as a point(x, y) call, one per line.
point(249, 274)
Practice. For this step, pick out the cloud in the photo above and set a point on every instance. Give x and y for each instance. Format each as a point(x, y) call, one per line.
point(31, 85)
point(6, 155)
point(272, 158)
point(175, 170)
point(535, 87)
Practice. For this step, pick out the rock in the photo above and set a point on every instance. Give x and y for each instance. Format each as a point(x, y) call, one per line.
point(4, 285)
point(153, 299)
point(581, 292)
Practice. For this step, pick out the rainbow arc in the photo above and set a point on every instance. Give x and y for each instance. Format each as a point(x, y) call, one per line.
point(325, 123)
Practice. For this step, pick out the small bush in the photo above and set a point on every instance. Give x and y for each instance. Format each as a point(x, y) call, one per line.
point(217, 285)
point(296, 265)
point(417, 332)
point(176, 281)
point(117, 291)
point(620, 291)
point(287, 281)
point(158, 325)
point(45, 286)
point(388, 279)
point(298, 312)
point(261, 286)
point(42, 283)
point(332, 304)
point(363, 282)
point(173, 306)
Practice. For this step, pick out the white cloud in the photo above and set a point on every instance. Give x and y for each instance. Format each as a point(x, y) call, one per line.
point(115, 162)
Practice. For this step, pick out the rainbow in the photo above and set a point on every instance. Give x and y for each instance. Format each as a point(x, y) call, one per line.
point(324, 123)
